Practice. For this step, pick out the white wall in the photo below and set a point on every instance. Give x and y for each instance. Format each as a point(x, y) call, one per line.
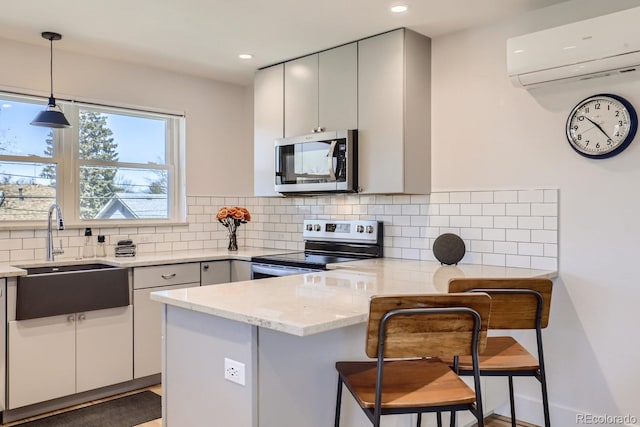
point(217, 113)
point(487, 134)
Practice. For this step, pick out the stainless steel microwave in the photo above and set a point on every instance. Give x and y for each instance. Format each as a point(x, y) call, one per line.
point(320, 162)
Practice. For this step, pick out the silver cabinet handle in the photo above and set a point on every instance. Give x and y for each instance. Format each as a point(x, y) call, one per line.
point(71, 318)
point(82, 317)
point(168, 276)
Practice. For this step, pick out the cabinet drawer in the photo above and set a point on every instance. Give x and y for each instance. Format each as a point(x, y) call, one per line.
point(163, 275)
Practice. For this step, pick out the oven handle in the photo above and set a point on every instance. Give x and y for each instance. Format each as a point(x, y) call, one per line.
point(279, 270)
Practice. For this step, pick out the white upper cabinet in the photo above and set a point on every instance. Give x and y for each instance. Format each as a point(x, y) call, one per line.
point(320, 91)
point(394, 99)
point(380, 86)
point(268, 126)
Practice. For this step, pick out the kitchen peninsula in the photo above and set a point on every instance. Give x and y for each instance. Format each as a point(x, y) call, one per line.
point(287, 333)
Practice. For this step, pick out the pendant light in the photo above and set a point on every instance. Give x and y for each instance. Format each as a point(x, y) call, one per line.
point(52, 117)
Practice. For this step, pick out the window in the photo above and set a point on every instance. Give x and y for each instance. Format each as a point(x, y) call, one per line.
point(112, 165)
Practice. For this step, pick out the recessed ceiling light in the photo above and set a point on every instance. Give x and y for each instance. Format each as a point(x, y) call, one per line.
point(245, 56)
point(399, 8)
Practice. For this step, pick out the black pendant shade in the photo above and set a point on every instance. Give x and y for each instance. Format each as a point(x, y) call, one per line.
point(52, 117)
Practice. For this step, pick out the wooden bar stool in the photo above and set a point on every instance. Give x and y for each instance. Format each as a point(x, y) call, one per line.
point(515, 304)
point(417, 329)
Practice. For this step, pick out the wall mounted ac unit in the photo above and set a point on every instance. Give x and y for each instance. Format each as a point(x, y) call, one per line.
point(596, 47)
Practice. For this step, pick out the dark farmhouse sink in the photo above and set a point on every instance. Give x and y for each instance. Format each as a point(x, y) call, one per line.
point(66, 289)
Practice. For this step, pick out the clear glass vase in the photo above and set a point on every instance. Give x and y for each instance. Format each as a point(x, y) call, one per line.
point(233, 239)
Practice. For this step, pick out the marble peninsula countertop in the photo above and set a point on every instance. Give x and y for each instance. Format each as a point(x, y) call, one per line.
point(312, 303)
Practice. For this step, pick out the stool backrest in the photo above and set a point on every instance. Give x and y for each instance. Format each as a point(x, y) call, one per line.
point(511, 309)
point(427, 325)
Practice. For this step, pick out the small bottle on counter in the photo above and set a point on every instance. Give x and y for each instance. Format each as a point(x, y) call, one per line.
point(101, 250)
point(88, 251)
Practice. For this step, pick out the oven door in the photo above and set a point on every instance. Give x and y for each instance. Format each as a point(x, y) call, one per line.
point(315, 163)
point(263, 271)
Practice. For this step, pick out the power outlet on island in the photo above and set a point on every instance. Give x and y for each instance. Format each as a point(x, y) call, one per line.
point(234, 371)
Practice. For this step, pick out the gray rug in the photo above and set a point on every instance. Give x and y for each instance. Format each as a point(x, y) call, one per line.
point(125, 411)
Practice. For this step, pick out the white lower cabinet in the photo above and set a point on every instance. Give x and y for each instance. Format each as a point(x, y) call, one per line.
point(57, 356)
point(240, 270)
point(147, 314)
point(147, 330)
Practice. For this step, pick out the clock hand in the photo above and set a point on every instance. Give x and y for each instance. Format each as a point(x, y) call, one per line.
point(598, 126)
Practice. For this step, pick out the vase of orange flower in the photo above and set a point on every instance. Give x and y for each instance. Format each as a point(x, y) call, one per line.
point(232, 218)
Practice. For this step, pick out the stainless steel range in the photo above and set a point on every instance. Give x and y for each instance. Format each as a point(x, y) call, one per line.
point(325, 242)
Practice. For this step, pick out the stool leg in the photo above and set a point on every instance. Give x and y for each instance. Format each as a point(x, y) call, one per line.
point(545, 400)
point(439, 418)
point(453, 419)
point(338, 402)
point(419, 420)
point(512, 402)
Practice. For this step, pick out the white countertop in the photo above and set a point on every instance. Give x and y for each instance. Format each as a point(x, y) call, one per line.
point(157, 258)
point(311, 303)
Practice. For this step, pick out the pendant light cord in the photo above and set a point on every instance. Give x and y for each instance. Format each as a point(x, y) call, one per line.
point(51, 63)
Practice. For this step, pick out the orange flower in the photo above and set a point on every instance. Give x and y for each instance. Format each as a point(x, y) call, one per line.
point(236, 213)
point(222, 213)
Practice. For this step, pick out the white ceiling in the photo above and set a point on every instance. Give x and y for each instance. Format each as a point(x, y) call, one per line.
point(204, 37)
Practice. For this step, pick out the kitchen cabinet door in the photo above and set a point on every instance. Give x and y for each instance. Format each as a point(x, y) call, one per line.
point(301, 96)
point(321, 90)
point(338, 88)
point(394, 125)
point(104, 347)
point(147, 330)
point(215, 272)
point(42, 362)
point(268, 117)
point(240, 270)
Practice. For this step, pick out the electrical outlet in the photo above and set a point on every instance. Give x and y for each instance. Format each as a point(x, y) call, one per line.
point(234, 371)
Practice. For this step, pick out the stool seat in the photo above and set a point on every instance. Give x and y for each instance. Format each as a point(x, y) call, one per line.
point(407, 384)
point(501, 354)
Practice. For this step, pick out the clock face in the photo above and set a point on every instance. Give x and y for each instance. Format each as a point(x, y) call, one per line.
point(601, 126)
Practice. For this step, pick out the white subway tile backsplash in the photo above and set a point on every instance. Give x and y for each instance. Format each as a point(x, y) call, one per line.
point(544, 209)
point(531, 222)
point(439, 198)
point(530, 196)
point(494, 234)
point(544, 236)
point(482, 197)
point(505, 196)
point(551, 196)
point(460, 197)
point(471, 209)
point(494, 259)
point(482, 221)
point(449, 209)
point(504, 228)
point(505, 222)
point(536, 249)
point(518, 209)
point(471, 233)
point(505, 248)
point(493, 209)
point(460, 221)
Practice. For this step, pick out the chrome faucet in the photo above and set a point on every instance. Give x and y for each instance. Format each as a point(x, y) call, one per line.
point(51, 251)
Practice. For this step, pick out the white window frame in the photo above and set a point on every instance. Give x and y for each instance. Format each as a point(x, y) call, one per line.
point(66, 157)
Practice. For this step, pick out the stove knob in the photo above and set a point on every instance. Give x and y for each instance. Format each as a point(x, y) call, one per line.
point(360, 229)
point(369, 229)
point(316, 227)
point(309, 227)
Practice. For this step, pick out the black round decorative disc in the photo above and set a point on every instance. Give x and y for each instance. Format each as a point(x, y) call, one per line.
point(448, 248)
